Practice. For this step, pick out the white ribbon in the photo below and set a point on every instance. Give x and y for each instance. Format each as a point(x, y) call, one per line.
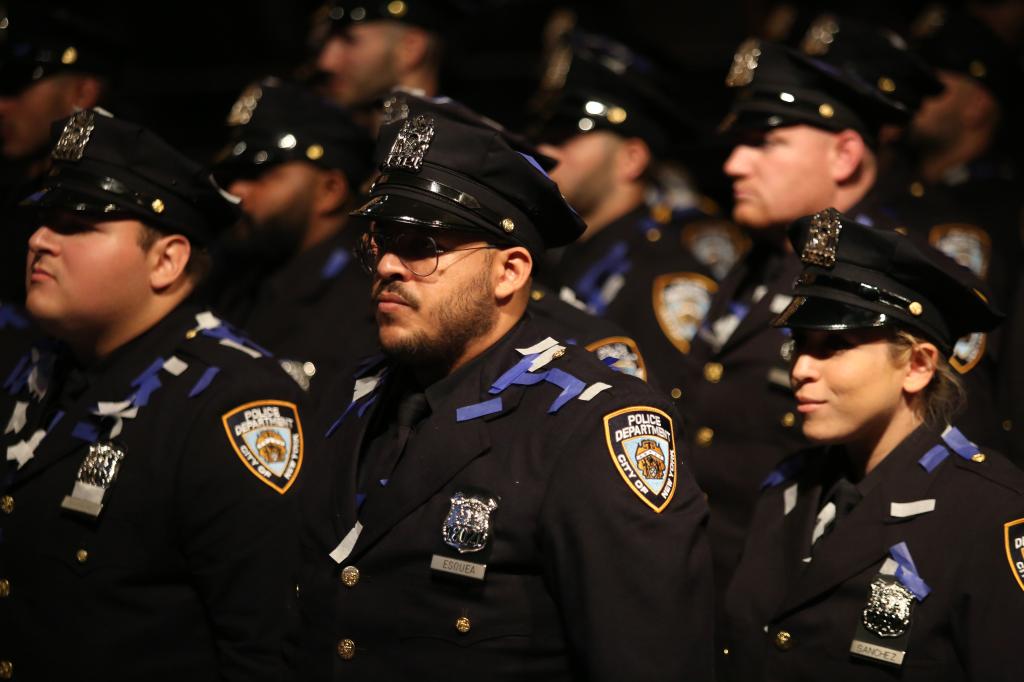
point(18, 418)
point(120, 411)
point(25, 450)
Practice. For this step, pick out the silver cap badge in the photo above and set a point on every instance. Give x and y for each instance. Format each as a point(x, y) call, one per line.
point(468, 524)
point(887, 613)
point(411, 144)
point(74, 137)
point(823, 239)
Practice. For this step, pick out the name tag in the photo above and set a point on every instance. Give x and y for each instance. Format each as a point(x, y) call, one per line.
point(459, 567)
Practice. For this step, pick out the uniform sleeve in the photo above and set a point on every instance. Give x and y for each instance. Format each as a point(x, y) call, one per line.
point(239, 525)
point(629, 563)
point(987, 627)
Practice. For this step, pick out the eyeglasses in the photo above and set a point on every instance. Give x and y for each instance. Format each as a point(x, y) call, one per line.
point(418, 252)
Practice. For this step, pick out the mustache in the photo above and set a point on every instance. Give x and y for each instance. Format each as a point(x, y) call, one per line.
point(395, 289)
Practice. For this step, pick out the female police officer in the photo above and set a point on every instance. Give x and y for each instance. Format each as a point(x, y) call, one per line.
point(893, 549)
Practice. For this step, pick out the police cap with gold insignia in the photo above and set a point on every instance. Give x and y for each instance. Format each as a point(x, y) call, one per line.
point(106, 166)
point(444, 167)
point(878, 56)
point(592, 82)
point(36, 45)
point(432, 15)
point(273, 122)
point(777, 86)
point(856, 276)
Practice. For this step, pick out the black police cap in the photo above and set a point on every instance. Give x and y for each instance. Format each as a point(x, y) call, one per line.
point(37, 46)
point(877, 56)
point(856, 276)
point(107, 166)
point(433, 15)
point(444, 167)
point(593, 82)
point(958, 42)
point(275, 121)
point(777, 86)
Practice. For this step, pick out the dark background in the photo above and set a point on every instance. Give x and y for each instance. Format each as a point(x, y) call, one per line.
point(182, 64)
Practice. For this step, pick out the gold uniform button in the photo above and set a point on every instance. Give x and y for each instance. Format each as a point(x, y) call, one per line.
point(536, 294)
point(349, 576)
point(462, 624)
point(826, 110)
point(676, 394)
point(783, 640)
point(978, 457)
point(191, 334)
point(653, 234)
point(81, 556)
point(915, 308)
point(5, 588)
point(6, 670)
point(705, 436)
point(346, 649)
point(7, 504)
point(788, 419)
point(917, 189)
point(1007, 425)
point(725, 652)
point(713, 372)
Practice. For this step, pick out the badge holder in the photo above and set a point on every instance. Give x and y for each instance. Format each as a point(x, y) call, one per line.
point(884, 627)
point(97, 473)
point(465, 533)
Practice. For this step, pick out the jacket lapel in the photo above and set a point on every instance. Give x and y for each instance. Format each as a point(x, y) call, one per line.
point(864, 536)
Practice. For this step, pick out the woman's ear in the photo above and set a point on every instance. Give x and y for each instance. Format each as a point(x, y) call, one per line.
point(924, 358)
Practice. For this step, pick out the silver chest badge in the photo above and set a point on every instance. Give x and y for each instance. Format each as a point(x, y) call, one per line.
point(97, 473)
point(468, 524)
point(74, 137)
point(411, 144)
point(823, 239)
point(887, 613)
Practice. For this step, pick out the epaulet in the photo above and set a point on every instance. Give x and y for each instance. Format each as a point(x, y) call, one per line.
point(532, 369)
point(974, 459)
point(787, 470)
point(210, 326)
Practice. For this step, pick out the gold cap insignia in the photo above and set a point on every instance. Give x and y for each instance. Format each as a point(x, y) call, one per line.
point(74, 137)
point(820, 36)
point(823, 239)
point(245, 106)
point(744, 63)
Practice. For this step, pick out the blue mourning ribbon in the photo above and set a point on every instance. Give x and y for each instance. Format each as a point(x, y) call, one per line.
point(570, 385)
point(146, 383)
point(19, 376)
point(906, 572)
point(588, 287)
point(336, 262)
point(510, 376)
point(959, 444)
point(933, 458)
point(56, 418)
point(205, 379)
point(224, 331)
point(481, 409)
point(783, 472)
point(86, 431)
point(10, 317)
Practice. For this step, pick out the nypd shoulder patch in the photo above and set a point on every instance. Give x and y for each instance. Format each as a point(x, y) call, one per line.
point(968, 352)
point(627, 356)
point(968, 245)
point(1013, 531)
point(681, 300)
point(267, 437)
point(643, 449)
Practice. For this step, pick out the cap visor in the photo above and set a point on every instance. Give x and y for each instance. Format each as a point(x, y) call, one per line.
point(398, 208)
point(805, 312)
point(68, 198)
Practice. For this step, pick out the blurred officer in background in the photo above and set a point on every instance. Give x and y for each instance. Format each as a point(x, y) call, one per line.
point(499, 502)
point(649, 257)
point(52, 64)
point(368, 48)
point(146, 501)
point(297, 161)
point(893, 548)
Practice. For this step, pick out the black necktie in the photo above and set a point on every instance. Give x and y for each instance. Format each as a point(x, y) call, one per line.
point(843, 496)
point(383, 454)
